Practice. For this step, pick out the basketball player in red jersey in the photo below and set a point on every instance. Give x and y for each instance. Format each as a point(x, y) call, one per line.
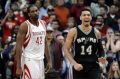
point(30, 47)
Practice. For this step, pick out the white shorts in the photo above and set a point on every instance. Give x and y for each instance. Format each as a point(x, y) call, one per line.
point(32, 69)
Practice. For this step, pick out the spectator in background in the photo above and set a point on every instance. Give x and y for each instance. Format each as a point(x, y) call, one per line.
point(43, 9)
point(114, 71)
point(24, 11)
point(118, 23)
point(66, 69)
point(76, 10)
point(19, 16)
point(5, 56)
point(117, 3)
point(8, 24)
point(68, 4)
point(117, 46)
point(0, 9)
point(110, 47)
point(7, 5)
point(50, 15)
point(50, 10)
point(55, 54)
point(103, 13)
point(112, 18)
point(38, 3)
point(71, 23)
point(95, 7)
point(64, 33)
point(62, 18)
point(55, 25)
point(2, 13)
point(101, 26)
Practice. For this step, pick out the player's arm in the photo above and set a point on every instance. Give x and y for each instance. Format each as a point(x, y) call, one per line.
point(67, 45)
point(19, 42)
point(101, 52)
point(70, 38)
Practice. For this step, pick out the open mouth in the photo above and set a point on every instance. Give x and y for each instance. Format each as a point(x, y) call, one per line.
point(86, 21)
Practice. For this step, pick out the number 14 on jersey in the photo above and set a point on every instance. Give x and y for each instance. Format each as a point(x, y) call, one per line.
point(88, 50)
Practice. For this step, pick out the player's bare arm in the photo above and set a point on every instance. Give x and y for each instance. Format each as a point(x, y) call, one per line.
point(19, 42)
point(67, 46)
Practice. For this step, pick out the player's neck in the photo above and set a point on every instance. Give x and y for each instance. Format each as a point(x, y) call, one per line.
point(34, 22)
point(85, 28)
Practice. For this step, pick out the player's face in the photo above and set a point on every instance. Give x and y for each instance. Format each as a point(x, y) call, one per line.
point(33, 14)
point(86, 17)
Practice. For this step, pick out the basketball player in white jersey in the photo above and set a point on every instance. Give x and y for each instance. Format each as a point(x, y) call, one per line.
point(30, 47)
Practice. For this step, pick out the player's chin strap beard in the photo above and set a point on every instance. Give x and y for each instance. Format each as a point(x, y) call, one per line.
point(35, 21)
point(86, 25)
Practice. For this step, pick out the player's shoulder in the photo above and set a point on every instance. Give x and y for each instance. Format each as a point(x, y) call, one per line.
point(72, 30)
point(42, 21)
point(24, 25)
point(72, 33)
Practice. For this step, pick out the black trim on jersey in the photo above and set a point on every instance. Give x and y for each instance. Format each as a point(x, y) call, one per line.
point(85, 46)
point(100, 52)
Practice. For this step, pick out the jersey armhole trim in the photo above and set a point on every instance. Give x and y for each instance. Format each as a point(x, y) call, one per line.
point(42, 23)
point(75, 36)
point(95, 31)
point(28, 30)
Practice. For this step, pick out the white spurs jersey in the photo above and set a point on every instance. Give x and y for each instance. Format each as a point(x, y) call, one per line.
point(34, 44)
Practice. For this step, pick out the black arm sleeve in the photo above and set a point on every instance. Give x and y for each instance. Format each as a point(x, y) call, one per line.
point(100, 52)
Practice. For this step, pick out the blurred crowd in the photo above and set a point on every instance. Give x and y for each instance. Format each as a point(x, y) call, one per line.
point(60, 16)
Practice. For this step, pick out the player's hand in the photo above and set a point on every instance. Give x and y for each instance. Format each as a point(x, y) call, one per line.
point(19, 72)
point(78, 67)
point(102, 60)
point(48, 67)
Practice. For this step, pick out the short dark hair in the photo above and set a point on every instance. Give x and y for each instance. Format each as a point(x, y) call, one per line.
point(99, 15)
point(85, 9)
point(28, 10)
point(29, 6)
point(104, 7)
